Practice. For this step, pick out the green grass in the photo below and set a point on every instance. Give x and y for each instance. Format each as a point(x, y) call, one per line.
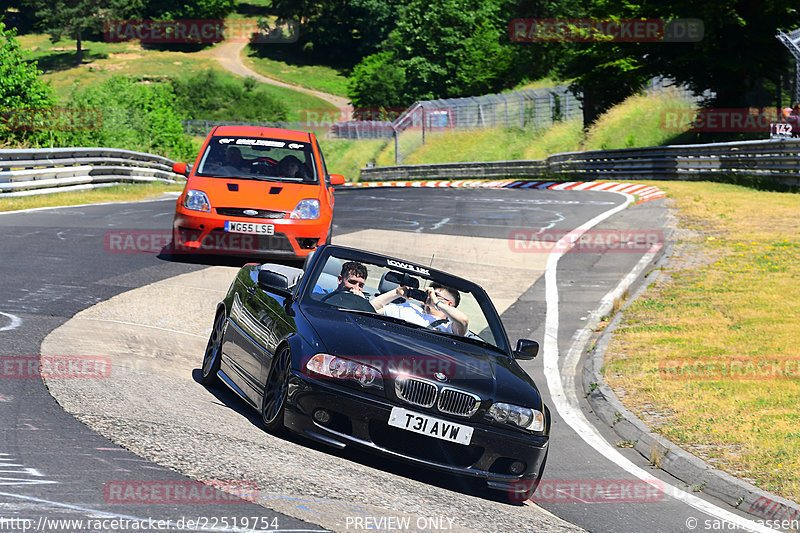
point(561, 137)
point(347, 157)
point(409, 141)
point(470, 145)
point(103, 60)
point(280, 63)
point(130, 192)
point(542, 83)
point(713, 343)
point(636, 122)
point(253, 9)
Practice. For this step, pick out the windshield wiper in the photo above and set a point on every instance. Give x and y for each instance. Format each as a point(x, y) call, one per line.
point(384, 317)
point(474, 340)
point(360, 311)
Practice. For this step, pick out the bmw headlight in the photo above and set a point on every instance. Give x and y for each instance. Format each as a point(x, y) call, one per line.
point(332, 366)
point(306, 210)
point(196, 201)
point(522, 417)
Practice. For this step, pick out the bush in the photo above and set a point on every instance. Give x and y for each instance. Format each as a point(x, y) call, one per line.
point(210, 96)
point(134, 116)
point(377, 82)
point(21, 90)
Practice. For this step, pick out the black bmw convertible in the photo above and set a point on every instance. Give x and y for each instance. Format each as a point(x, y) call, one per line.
point(360, 349)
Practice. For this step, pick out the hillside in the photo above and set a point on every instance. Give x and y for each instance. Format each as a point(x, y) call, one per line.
point(636, 122)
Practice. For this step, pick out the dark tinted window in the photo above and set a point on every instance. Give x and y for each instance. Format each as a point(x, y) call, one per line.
point(257, 157)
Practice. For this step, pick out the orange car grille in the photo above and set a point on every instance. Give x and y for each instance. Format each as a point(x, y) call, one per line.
point(240, 212)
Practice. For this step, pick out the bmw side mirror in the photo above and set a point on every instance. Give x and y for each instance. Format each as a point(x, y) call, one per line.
point(270, 280)
point(526, 349)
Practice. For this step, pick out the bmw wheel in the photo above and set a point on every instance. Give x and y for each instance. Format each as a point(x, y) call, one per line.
point(213, 355)
point(275, 392)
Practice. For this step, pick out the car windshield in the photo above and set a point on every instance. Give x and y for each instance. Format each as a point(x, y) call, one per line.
point(385, 275)
point(258, 158)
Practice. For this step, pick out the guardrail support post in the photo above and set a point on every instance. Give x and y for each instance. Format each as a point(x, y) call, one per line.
point(396, 147)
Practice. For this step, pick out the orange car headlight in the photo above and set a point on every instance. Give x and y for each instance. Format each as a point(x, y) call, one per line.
point(197, 201)
point(306, 210)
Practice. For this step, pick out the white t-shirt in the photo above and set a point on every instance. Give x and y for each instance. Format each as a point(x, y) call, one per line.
point(413, 313)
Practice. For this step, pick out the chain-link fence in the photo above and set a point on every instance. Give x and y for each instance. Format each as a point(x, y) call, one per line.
point(531, 109)
point(661, 84)
point(537, 108)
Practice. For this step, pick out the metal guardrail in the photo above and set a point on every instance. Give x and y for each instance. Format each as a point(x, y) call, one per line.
point(42, 171)
point(446, 171)
point(778, 160)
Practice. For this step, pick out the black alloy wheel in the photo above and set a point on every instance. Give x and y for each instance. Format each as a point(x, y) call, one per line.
point(276, 391)
point(213, 355)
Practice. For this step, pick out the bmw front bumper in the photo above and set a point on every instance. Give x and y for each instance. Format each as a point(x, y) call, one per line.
point(356, 418)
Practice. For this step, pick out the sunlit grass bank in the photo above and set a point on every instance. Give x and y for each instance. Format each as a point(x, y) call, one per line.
point(709, 356)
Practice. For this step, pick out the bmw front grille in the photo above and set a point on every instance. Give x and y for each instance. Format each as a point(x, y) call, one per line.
point(415, 391)
point(456, 402)
point(425, 394)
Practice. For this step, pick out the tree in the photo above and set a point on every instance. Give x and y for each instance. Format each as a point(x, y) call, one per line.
point(442, 49)
point(453, 48)
point(604, 78)
point(21, 88)
point(74, 18)
point(181, 9)
point(738, 50)
point(377, 81)
point(737, 54)
point(340, 32)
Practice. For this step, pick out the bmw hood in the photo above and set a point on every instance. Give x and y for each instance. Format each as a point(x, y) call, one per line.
point(395, 349)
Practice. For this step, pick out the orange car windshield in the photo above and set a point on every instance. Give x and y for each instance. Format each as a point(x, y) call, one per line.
point(258, 158)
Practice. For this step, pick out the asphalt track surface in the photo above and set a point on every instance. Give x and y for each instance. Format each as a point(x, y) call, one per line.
point(54, 264)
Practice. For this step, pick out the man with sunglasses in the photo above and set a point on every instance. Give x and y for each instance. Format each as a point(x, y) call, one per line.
point(438, 311)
